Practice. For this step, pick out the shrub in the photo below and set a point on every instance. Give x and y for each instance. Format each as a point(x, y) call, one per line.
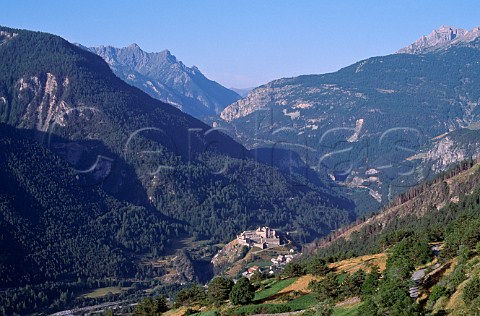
point(190, 295)
point(324, 308)
point(456, 277)
point(219, 289)
point(151, 307)
point(471, 290)
point(437, 292)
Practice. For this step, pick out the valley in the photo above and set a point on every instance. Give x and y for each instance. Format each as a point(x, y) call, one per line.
point(132, 184)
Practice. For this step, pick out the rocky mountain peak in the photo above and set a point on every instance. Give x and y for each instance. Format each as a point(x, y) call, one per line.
point(134, 45)
point(447, 33)
point(163, 76)
point(169, 57)
point(443, 37)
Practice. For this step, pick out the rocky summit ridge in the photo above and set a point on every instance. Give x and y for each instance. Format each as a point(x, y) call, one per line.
point(164, 77)
point(441, 38)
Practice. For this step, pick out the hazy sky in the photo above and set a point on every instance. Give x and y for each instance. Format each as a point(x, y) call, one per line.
point(246, 43)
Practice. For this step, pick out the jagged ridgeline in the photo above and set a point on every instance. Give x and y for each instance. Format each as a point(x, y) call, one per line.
point(164, 77)
point(139, 151)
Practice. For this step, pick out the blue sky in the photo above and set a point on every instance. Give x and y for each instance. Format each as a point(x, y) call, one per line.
point(246, 43)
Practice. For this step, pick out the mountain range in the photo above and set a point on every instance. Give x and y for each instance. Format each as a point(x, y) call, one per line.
point(165, 78)
point(101, 180)
point(371, 125)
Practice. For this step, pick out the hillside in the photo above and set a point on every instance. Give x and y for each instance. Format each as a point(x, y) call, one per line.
point(421, 257)
point(443, 214)
point(363, 123)
point(52, 219)
point(57, 228)
point(167, 79)
point(377, 284)
point(167, 175)
point(427, 209)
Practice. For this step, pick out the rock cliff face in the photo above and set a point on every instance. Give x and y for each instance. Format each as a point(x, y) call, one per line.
point(254, 101)
point(44, 97)
point(441, 38)
point(451, 148)
point(228, 255)
point(5, 36)
point(444, 153)
point(164, 77)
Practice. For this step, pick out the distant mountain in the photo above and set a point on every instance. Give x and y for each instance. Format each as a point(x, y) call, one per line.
point(242, 92)
point(165, 78)
point(366, 123)
point(148, 152)
point(442, 38)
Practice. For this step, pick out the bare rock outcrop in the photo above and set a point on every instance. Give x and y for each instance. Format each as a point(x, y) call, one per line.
point(441, 38)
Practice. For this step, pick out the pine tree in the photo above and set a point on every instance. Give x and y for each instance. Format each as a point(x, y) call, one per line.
point(242, 292)
point(219, 289)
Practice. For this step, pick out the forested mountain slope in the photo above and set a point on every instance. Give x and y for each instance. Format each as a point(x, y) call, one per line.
point(148, 153)
point(99, 177)
point(366, 123)
point(422, 257)
point(56, 226)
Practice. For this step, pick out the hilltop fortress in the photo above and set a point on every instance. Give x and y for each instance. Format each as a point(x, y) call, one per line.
point(262, 237)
